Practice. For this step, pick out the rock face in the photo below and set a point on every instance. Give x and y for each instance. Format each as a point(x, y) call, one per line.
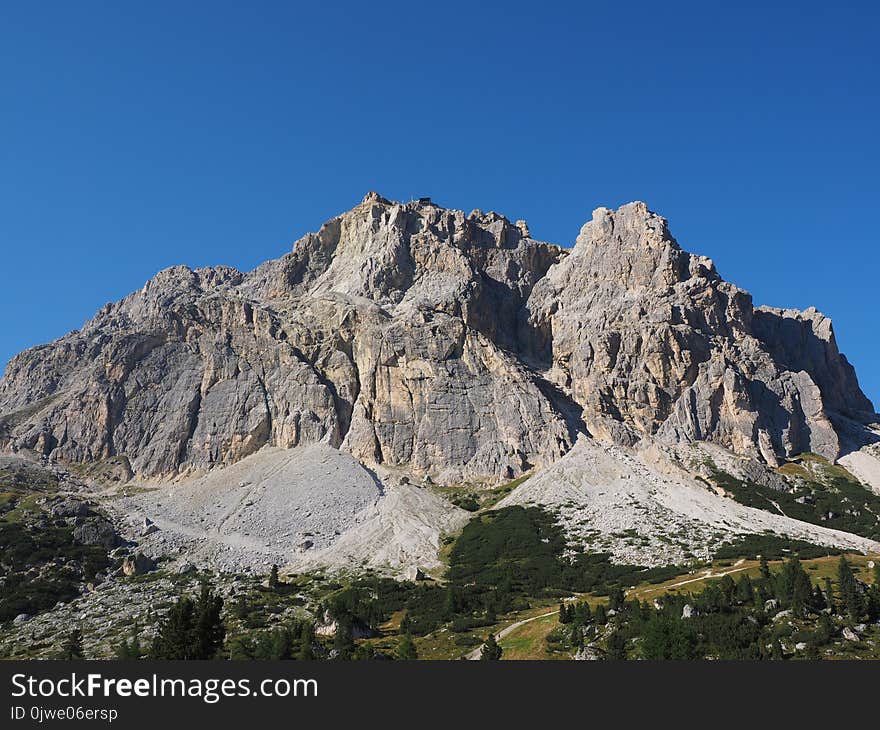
point(452, 345)
point(651, 341)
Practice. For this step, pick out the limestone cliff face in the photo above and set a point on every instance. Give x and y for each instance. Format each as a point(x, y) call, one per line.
point(651, 341)
point(450, 345)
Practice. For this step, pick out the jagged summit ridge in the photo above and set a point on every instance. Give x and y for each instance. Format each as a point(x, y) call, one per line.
point(441, 343)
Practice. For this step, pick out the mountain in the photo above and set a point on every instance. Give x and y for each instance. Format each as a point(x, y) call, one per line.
point(428, 345)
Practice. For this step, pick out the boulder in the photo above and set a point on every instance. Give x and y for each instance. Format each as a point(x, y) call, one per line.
point(137, 564)
point(96, 531)
point(414, 573)
point(71, 508)
point(782, 615)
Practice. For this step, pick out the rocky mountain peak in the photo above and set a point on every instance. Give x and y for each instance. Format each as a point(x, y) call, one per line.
point(632, 247)
point(442, 343)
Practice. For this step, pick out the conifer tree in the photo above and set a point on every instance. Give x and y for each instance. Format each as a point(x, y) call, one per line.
point(564, 616)
point(577, 636)
point(849, 592)
point(829, 594)
point(407, 648)
point(73, 646)
point(728, 588)
point(174, 639)
point(776, 651)
point(794, 586)
point(744, 590)
point(449, 603)
point(765, 571)
point(273, 578)
point(818, 600)
point(210, 631)
point(616, 646)
point(191, 629)
point(306, 640)
point(584, 614)
point(343, 640)
point(491, 650)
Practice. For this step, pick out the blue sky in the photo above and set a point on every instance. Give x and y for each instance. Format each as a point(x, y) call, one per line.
point(134, 138)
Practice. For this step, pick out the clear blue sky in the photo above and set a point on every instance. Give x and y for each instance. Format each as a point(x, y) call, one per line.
point(134, 138)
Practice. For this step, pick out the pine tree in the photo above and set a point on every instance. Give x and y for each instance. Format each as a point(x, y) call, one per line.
point(776, 651)
point(449, 603)
point(744, 591)
point(210, 631)
point(306, 640)
point(601, 615)
point(794, 586)
point(829, 594)
point(491, 650)
point(407, 648)
point(618, 599)
point(583, 612)
point(273, 578)
point(825, 630)
point(577, 636)
point(615, 646)
point(765, 571)
point(849, 592)
point(490, 612)
point(174, 639)
point(130, 650)
point(73, 646)
point(728, 588)
point(191, 630)
point(564, 617)
point(281, 645)
point(818, 600)
point(343, 639)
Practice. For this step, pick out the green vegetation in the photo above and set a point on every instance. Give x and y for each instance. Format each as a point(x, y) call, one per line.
point(502, 562)
point(407, 649)
point(778, 615)
point(40, 565)
point(491, 651)
point(193, 629)
point(73, 646)
point(476, 497)
point(771, 547)
point(819, 493)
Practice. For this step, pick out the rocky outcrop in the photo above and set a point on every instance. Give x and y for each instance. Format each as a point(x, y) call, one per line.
point(451, 345)
point(650, 340)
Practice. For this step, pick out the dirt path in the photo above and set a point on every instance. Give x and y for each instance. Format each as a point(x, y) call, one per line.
point(703, 576)
point(507, 630)
point(475, 654)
